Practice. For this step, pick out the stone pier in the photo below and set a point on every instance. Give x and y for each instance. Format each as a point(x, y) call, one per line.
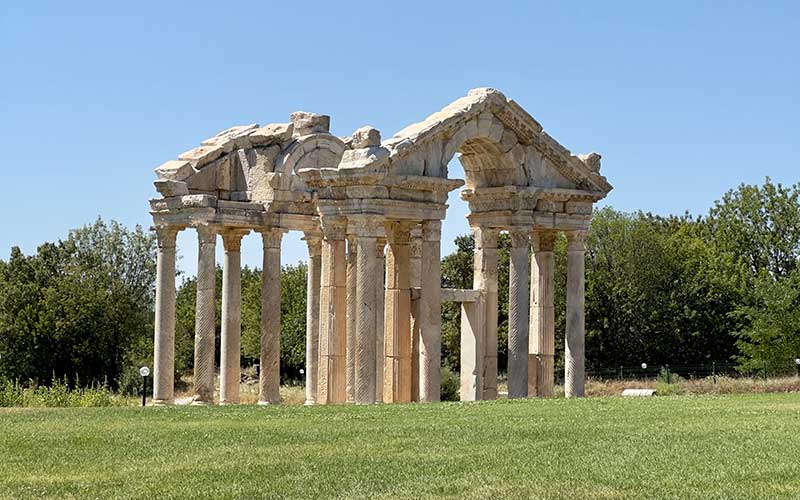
point(430, 313)
point(485, 279)
point(574, 378)
point(332, 318)
point(542, 340)
point(397, 320)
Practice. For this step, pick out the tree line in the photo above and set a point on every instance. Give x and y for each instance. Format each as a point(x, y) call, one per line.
point(724, 286)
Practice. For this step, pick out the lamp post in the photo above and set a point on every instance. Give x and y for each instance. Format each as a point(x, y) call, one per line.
point(144, 372)
point(797, 364)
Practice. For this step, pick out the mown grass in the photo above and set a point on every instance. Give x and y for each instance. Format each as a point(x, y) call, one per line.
point(743, 446)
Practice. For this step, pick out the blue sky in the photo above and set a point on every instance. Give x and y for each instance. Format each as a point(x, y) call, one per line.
point(684, 100)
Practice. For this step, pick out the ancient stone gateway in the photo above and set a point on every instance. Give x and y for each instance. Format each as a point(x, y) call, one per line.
point(371, 213)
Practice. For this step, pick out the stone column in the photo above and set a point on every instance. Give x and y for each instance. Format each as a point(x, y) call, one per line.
point(352, 252)
point(164, 340)
point(415, 259)
point(231, 337)
point(485, 279)
point(574, 338)
point(473, 334)
point(380, 298)
point(205, 323)
point(430, 313)
point(397, 347)
point(367, 228)
point(312, 315)
point(333, 314)
point(542, 334)
point(518, 314)
point(270, 379)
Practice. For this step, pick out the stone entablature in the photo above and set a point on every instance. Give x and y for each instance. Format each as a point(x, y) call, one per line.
point(371, 211)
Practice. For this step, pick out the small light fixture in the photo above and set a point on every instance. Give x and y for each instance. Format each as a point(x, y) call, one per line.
point(302, 371)
point(644, 366)
point(144, 372)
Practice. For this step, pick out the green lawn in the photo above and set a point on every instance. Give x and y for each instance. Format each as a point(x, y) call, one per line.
point(670, 447)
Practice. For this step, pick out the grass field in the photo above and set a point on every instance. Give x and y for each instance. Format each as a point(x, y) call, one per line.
point(744, 446)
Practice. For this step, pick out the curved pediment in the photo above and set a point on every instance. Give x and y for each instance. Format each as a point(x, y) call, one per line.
point(498, 143)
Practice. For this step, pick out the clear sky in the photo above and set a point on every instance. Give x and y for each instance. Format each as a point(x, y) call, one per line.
point(684, 100)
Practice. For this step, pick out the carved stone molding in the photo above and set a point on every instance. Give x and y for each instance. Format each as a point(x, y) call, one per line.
point(271, 237)
point(232, 239)
point(576, 241)
point(432, 230)
point(543, 241)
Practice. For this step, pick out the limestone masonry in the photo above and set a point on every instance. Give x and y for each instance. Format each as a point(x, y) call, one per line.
point(371, 213)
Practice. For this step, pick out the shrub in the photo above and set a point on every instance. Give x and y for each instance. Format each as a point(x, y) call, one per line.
point(451, 385)
point(58, 395)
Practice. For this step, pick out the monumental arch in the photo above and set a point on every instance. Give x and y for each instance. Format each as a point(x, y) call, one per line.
point(371, 213)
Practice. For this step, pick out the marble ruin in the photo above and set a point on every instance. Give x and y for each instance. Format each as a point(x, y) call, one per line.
point(371, 213)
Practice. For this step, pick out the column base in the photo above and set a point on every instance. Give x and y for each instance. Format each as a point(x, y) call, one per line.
point(267, 403)
point(201, 403)
point(228, 403)
point(162, 402)
point(309, 402)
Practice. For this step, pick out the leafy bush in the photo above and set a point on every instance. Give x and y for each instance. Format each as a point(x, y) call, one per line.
point(451, 385)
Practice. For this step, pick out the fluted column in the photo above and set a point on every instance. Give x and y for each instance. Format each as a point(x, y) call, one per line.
point(575, 334)
point(542, 332)
point(485, 279)
point(205, 316)
point(352, 252)
point(367, 228)
point(270, 379)
point(430, 313)
point(333, 312)
point(380, 298)
point(312, 315)
point(415, 259)
point(518, 314)
point(164, 338)
point(231, 336)
point(397, 347)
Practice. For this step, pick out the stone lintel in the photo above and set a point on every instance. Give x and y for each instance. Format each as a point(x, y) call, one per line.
point(460, 295)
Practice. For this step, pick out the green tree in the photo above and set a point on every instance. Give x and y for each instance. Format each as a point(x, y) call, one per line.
point(79, 309)
point(756, 229)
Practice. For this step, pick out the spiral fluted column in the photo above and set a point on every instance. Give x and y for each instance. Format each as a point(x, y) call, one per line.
point(518, 314)
point(205, 316)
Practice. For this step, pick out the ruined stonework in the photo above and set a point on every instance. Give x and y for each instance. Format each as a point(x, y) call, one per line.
point(371, 211)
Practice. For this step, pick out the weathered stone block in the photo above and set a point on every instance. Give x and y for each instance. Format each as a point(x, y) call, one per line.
point(169, 188)
point(366, 137)
point(175, 170)
point(271, 134)
point(309, 123)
